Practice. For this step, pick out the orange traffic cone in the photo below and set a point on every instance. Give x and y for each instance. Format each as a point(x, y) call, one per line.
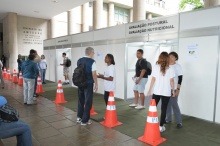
point(152, 132)
point(92, 111)
point(15, 77)
point(8, 75)
point(4, 73)
point(20, 80)
point(111, 119)
point(59, 95)
point(39, 86)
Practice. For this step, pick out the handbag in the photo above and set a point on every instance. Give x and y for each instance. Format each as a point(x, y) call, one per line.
point(8, 114)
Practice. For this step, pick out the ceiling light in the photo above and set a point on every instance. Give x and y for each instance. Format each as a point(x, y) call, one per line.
point(54, 1)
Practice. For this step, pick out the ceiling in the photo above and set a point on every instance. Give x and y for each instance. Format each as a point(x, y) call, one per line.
point(45, 9)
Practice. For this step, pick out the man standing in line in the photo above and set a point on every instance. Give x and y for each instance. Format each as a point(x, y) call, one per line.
point(19, 61)
point(140, 79)
point(1, 77)
point(65, 70)
point(36, 60)
point(85, 94)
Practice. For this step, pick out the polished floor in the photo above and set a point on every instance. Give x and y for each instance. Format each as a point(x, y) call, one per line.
point(55, 125)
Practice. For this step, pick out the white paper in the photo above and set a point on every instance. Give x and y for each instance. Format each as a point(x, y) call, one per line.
point(192, 52)
point(99, 55)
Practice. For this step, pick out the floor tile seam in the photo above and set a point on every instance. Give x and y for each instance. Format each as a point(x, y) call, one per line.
point(38, 139)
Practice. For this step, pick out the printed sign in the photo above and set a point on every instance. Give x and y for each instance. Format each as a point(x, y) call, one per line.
point(153, 26)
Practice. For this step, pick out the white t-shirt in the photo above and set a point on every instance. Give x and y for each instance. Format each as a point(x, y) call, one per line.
point(162, 84)
point(43, 64)
point(178, 72)
point(109, 85)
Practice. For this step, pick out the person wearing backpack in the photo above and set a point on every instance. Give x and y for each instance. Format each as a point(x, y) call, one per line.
point(85, 92)
point(18, 128)
point(140, 80)
point(65, 69)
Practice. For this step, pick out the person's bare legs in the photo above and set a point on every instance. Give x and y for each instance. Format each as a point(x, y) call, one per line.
point(136, 96)
point(142, 97)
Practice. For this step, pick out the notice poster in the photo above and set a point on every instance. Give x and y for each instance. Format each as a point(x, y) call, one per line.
point(99, 55)
point(192, 52)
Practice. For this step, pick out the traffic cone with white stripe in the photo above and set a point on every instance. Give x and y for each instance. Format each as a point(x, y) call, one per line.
point(8, 75)
point(20, 79)
point(15, 77)
point(111, 119)
point(59, 95)
point(4, 73)
point(92, 111)
point(39, 85)
point(152, 132)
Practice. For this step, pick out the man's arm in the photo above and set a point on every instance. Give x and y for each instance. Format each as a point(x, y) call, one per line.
point(95, 80)
point(37, 59)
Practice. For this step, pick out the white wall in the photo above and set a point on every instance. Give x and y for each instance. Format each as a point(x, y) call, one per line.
point(199, 76)
point(50, 56)
point(200, 19)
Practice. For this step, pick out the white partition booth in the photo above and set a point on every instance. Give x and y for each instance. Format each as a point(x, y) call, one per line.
point(193, 35)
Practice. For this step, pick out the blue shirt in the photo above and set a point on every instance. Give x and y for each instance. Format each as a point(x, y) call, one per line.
point(29, 69)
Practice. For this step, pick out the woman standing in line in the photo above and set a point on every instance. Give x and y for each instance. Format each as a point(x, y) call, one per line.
point(43, 68)
point(108, 77)
point(163, 83)
point(173, 103)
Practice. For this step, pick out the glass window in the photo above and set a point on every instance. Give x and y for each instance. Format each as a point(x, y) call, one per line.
point(121, 15)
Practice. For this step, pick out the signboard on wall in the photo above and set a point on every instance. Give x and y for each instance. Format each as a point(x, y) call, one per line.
point(153, 26)
point(63, 40)
point(32, 35)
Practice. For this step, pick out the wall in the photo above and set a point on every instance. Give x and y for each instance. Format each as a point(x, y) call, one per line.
point(31, 33)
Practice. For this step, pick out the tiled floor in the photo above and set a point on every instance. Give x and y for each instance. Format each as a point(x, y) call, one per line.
point(55, 125)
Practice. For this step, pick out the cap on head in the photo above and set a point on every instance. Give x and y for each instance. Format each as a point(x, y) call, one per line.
point(3, 101)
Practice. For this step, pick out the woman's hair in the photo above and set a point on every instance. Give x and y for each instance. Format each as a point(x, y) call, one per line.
point(163, 61)
point(111, 57)
point(31, 57)
point(42, 57)
point(174, 54)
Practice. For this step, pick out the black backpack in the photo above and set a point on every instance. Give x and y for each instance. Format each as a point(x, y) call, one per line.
point(8, 114)
point(68, 62)
point(149, 67)
point(79, 75)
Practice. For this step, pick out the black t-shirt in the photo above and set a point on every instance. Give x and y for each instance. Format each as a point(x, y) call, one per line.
point(141, 64)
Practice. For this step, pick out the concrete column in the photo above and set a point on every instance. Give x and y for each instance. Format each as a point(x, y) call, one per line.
point(149, 16)
point(111, 14)
point(53, 27)
point(12, 40)
point(49, 29)
point(131, 15)
point(211, 3)
point(85, 20)
point(139, 10)
point(97, 14)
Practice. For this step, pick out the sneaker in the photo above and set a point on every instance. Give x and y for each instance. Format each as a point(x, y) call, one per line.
point(139, 107)
point(168, 122)
point(34, 102)
point(36, 95)
point(35, 98)
point(78, 120)
point(87, 123)
point(64, 83)
point(133, 105)
point(162, 128)
point(179, 125)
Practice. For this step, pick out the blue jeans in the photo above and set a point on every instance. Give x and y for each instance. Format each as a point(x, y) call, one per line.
point(85, 97)
point(19, 129)
point(35, 85)
point(42, 75)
